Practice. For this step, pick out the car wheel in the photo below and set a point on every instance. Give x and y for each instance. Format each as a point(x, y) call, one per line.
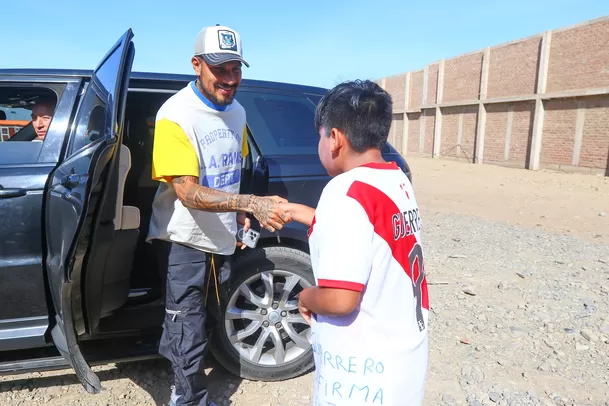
point(260, 334)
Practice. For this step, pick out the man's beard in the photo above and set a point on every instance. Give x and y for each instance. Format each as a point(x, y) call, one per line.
point(212, 98)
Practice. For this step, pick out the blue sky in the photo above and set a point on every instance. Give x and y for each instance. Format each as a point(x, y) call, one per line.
point(320, 44)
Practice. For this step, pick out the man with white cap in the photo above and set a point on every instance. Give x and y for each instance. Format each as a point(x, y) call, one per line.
point(199, 143)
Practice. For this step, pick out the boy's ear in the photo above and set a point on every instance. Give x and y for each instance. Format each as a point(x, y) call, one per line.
point(337, 139)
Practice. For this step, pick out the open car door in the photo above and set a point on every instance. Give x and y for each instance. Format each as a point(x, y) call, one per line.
point(75, 193)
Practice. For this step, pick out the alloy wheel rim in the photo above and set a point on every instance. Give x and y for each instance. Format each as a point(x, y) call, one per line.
point(262, 321)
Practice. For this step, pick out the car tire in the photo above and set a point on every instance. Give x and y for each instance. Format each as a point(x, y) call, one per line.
point(250, 265)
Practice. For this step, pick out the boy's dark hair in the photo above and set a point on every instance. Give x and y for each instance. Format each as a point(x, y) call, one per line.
point(361, 109)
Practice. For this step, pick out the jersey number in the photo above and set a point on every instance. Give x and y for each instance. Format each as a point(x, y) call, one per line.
point(416, 258)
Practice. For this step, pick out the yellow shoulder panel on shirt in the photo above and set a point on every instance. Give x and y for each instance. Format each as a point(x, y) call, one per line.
point(244, 148)
point(173, 154)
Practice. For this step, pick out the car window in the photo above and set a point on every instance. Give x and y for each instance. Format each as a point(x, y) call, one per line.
point(315, 98)
point(91, 122)
point(26, 115)
point(281, 124)
point(12, 120)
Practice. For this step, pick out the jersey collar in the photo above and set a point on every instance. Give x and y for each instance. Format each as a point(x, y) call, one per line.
point(378, 165)
point(204, 99)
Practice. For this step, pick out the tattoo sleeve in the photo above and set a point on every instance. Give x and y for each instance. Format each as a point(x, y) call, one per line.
point(263, 209)
point(195, 196)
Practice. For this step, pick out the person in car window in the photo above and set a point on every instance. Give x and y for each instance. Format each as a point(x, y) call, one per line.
point(369, 310)
point(199, 143)
point(42, 114)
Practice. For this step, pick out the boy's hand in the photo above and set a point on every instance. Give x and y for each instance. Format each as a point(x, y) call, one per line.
point(243, 220)
point(327, 302)
point(306, 313)
point(298, 212)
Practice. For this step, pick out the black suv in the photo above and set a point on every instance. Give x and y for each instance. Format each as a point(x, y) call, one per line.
point(78, 283)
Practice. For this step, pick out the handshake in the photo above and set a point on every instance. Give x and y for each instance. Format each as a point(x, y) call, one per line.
point(273, 212)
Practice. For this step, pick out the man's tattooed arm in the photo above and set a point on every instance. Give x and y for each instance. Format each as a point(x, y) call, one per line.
point(195, 196)
point(265, 209)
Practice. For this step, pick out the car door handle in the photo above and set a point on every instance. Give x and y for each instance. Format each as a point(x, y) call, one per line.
point(8, 193)
point(70, 181)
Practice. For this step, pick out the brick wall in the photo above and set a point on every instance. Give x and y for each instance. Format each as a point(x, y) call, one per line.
point(522, 130)
point(432, 83)
point(496, 132)
point(414, 133)
point(509, 128)
point(450, 140)
point(513, 68)
point(558, 132)
point(396, 132)
point(579, 58)
point(468, 138)
point(395, 86)
point(458, 132)
point(560, 78)
point(430, 127)
point(416, 90)
point(595, 137)
point(462, 78)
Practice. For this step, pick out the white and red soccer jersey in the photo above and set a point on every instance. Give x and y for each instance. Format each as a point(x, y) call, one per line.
point(366, 237)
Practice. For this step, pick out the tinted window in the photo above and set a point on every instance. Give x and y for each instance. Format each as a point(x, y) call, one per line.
point(26, 115)
point(315, 98)
point(281, 124)
point(95, 118)
point(90, 123)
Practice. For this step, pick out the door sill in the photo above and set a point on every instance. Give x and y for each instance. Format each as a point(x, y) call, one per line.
point(98, 352)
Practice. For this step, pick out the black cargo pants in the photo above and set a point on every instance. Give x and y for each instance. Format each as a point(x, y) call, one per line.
point(184, 339)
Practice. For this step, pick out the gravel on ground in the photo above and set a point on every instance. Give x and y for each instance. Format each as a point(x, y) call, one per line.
point(518, 267)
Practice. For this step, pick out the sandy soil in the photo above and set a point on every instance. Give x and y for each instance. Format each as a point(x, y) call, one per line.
point(563, 203)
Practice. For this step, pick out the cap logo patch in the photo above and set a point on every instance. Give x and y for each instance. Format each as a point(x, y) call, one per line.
point(227, 40)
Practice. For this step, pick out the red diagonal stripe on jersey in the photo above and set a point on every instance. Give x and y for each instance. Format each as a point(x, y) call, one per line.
point(311, 228)
point(380, 208)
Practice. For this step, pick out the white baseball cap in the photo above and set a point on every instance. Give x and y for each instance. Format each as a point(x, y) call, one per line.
point(219, 44)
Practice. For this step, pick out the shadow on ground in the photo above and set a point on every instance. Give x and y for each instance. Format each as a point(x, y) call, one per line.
point(153, 376)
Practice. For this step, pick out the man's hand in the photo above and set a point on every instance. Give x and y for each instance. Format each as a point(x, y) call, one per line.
point(243, 220)
point(266, 209)
point(306, 313)
point(269, 213)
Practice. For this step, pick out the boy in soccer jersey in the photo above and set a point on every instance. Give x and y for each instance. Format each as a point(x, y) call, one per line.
point(369, 310)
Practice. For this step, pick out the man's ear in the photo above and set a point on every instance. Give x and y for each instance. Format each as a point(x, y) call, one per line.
point(337, 140)
point(196, 65)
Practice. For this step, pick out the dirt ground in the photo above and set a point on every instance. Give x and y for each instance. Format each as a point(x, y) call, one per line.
point(518, 264)
point(558, 202)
